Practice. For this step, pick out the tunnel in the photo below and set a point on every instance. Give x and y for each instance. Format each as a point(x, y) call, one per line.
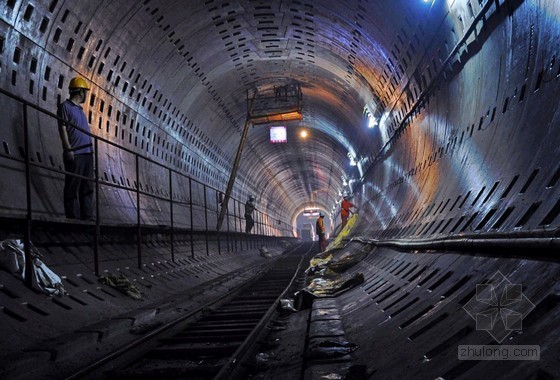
point(438, 119)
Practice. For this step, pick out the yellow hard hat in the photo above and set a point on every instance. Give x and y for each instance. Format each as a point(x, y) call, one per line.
point(78, 82)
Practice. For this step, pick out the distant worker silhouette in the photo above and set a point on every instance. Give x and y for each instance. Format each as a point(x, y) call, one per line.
point(345, 210)
point(78, 152)
point(249, 208)
point(320, 228)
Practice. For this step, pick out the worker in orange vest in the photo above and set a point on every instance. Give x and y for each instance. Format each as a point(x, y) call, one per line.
point(345, 210)
point(320, 228)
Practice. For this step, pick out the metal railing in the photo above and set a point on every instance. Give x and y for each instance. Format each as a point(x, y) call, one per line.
point(262, 232)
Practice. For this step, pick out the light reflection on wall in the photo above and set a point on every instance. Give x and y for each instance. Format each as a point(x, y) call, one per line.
point(378, 205)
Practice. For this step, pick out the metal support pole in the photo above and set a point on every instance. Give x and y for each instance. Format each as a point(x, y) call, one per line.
point(263, 230)
point(28, 219)
point(171, 237)
point(191, 212)
point(233, 174)
point(138, 227)
point(228, 230)
point(206, 220)
point(247, 242)
point(235, 222)
point(260, 229)
point(218, 232)
point(97, 233)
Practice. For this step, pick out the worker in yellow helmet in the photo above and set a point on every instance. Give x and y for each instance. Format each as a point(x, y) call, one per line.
point(77, 145)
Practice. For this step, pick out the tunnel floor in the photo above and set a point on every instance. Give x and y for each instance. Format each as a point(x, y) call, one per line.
point(409, 317)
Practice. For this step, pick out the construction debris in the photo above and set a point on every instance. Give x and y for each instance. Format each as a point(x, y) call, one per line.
point(12, 259)
point(330, 349)
point(122, 284)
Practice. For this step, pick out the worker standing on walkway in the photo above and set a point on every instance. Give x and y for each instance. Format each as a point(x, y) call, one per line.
point(345, 210)
point(249, 208)
point(73, 128)
point(320, 228)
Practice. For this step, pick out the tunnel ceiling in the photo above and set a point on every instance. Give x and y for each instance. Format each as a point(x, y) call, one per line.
point(198, 59)
point(232, 47)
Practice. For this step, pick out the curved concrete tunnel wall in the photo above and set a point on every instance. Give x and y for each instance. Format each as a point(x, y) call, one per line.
point(159, 132)
point(145, 105)
point(465, 93)
point(478, 152)
point(468, 94)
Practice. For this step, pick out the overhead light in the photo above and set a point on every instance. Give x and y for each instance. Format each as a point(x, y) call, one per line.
point(278, 134)
point(311, 212)
point(303, 133)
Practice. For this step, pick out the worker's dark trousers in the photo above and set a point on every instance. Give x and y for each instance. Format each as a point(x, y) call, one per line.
point(249, 223)
point(78, 192)
point(344, 220)
point(322, 242)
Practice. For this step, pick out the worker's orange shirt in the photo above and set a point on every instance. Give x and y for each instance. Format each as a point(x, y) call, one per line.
point(320, 225)
point(345, 211)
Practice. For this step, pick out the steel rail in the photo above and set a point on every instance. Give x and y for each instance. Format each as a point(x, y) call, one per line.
point(161, 330)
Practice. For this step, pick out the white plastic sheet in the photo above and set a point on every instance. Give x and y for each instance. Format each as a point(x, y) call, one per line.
point(12, 259)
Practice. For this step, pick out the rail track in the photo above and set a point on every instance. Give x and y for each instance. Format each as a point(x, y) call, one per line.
point(214, 345)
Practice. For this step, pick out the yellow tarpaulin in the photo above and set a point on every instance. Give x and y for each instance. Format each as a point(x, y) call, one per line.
point(337, 242)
